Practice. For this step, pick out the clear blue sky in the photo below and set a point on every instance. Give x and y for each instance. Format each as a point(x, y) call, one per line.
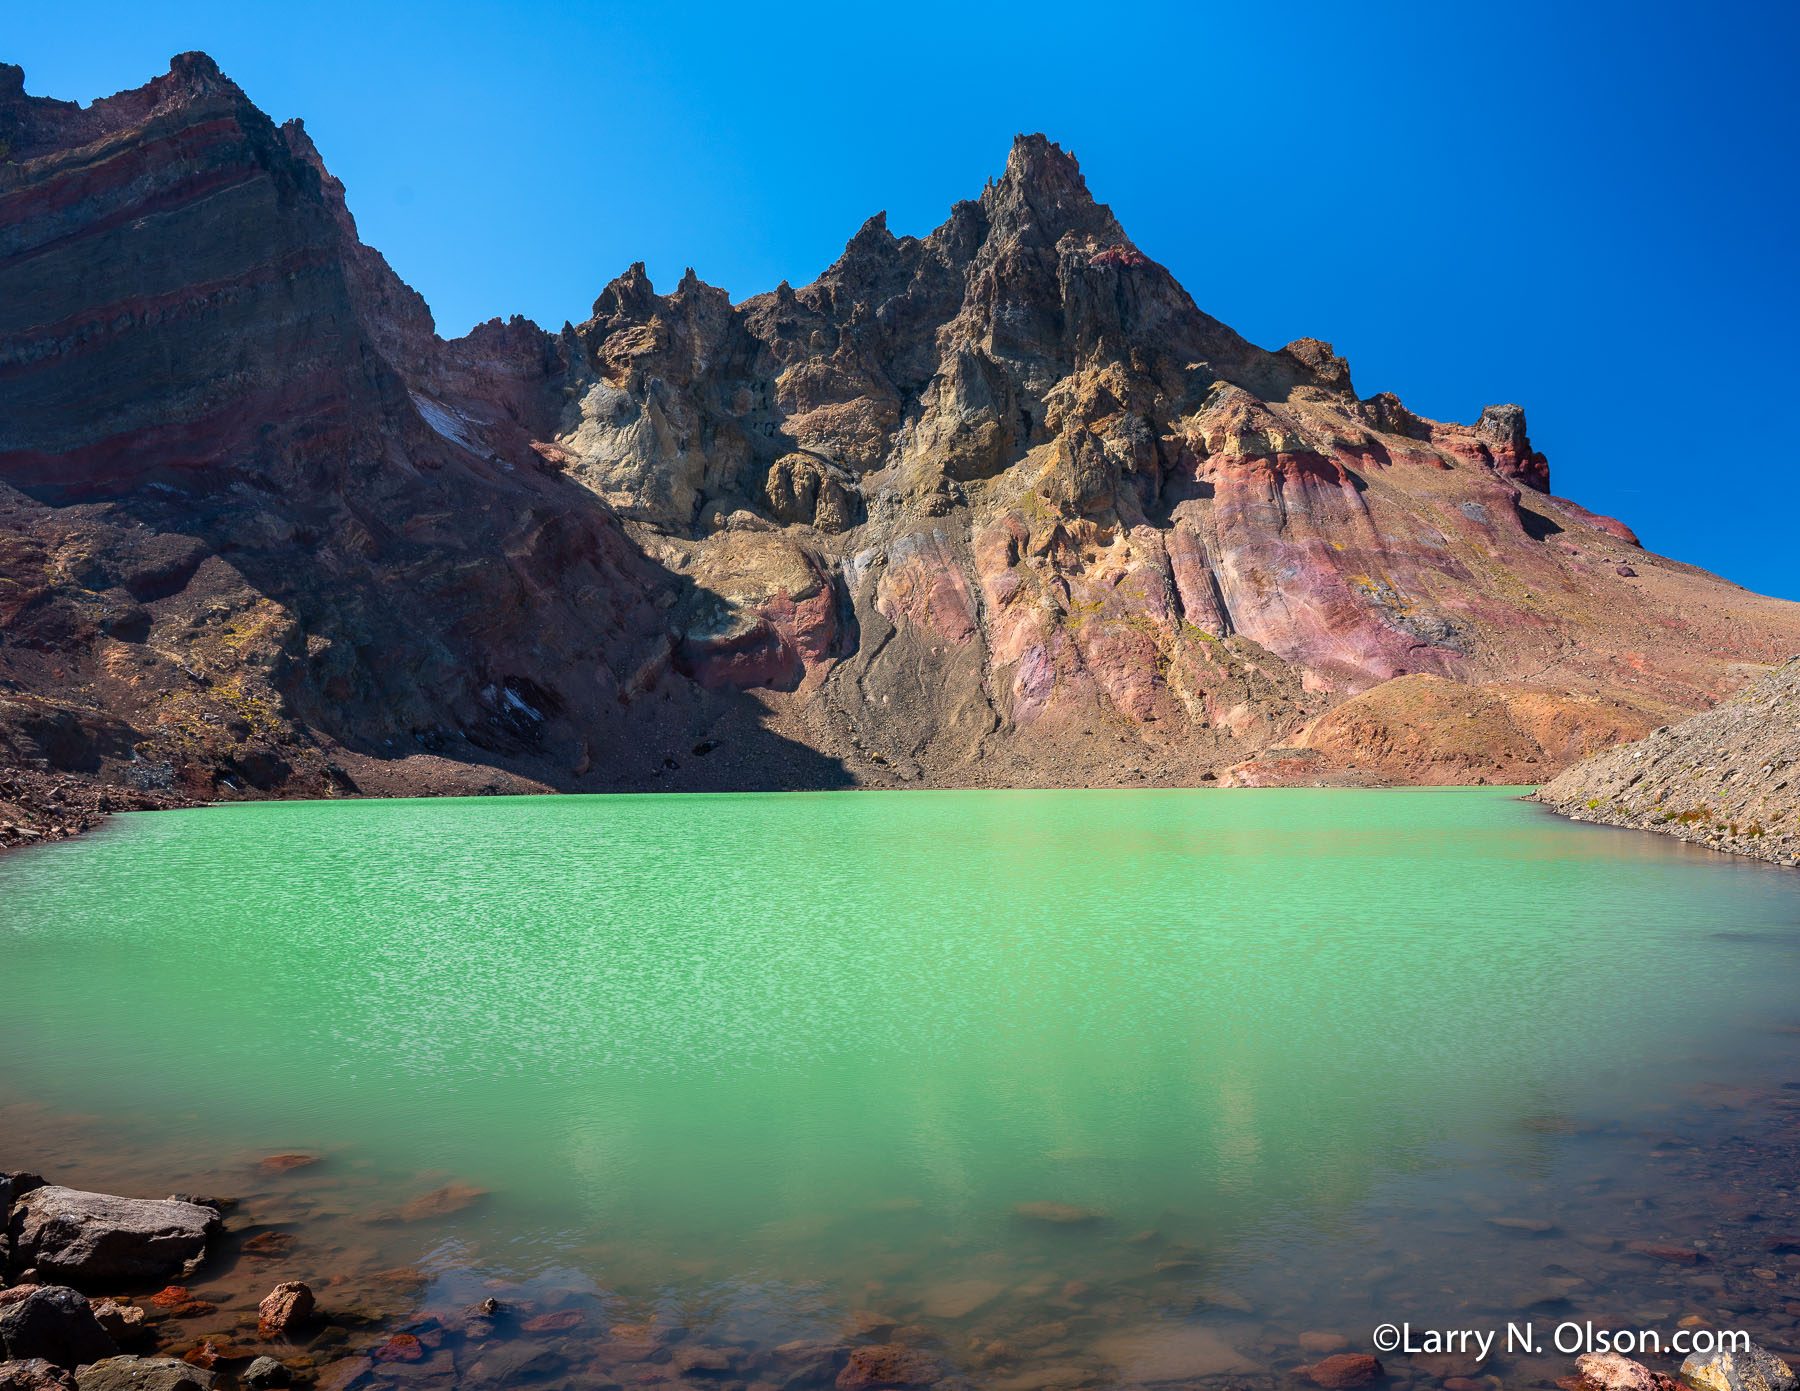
point(1587, 209)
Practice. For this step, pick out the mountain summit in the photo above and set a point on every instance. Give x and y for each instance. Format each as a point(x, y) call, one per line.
point(999, 505)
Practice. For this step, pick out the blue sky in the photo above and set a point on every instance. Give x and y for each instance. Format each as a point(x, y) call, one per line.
point(1587, 209)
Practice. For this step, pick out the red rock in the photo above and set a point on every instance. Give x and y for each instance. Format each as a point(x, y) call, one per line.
point(206, 1355)
point(269, 1245)
point(1345, 1369)
point(284, 1310)
point(169, 1296)
point(402, 1347)
point(888, 1364)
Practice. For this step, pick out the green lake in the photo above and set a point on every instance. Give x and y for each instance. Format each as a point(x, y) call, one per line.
point(752, 1062)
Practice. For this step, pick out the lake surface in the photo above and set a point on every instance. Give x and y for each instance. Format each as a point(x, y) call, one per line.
point(1072, 1087)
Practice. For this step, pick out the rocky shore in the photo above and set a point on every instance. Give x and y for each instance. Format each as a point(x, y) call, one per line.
point(191, 1293)
point(37, 807)
point(1728, 778)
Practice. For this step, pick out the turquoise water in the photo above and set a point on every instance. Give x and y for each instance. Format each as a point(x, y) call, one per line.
point(788, 1053)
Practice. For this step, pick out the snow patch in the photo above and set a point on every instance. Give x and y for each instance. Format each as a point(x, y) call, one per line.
point(452, 425)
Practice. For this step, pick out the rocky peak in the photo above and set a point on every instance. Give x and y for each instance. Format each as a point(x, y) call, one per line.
point(1042, 197)
point(873, 238)
point(628, 296)
point(1504, 425)
point(1330, 370)
point(31, 127)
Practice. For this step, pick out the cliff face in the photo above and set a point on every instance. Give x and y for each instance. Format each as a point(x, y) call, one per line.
point(1727, 778)
point(998, 505)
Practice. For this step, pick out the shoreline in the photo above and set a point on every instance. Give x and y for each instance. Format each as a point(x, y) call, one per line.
point(39, 809)
point(42, 808)
point(273, 1298)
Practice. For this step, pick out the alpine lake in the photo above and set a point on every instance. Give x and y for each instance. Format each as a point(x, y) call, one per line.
point(1031, 1089)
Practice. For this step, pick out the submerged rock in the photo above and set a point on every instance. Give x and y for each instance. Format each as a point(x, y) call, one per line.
point(1346, 1369)
point(1061, 1214)
point(441, 1202)
point(54, 1323)
point(96, 1238)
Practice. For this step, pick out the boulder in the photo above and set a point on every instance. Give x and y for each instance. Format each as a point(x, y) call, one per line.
point(265, 1372)
point(95, 1238)
point(1754, 1370)
point(284, 1309)
point(12, 1185)
point(34, 1374)
point(56, 1324)
point(144, 1374)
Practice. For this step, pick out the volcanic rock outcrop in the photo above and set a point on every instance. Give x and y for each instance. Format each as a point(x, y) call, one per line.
point(999, 505)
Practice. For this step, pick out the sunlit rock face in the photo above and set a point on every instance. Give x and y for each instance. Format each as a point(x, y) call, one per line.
point(996, 505)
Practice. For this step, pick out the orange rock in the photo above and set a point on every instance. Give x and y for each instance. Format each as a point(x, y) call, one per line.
point(285, 1308)
point(206, 1355)
point(1346, 1369)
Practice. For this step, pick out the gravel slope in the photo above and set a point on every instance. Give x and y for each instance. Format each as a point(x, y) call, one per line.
point(1728, 778)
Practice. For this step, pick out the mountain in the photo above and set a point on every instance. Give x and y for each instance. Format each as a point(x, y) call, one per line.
point(1727, 778)
point(996, 506)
